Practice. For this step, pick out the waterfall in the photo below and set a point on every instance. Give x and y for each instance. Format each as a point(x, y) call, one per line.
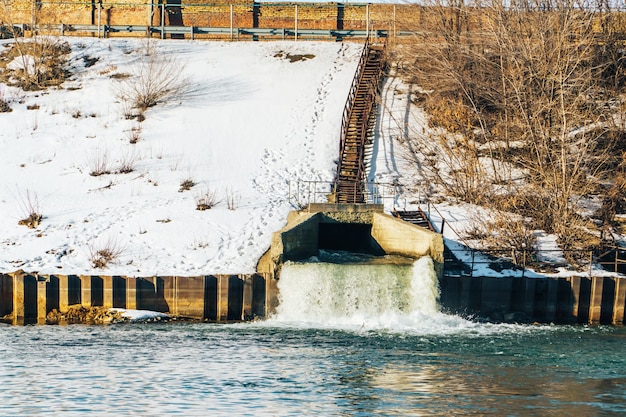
point(380, 294)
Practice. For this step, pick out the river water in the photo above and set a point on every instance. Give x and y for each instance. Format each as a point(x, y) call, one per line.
point(317, 357)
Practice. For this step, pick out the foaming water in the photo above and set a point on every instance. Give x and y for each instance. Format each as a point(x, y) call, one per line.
point(383, 295)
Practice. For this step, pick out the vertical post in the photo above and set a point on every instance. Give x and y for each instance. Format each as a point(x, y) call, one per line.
point(64, 293)
point(271, 295)
point(85, 291)
point(222, 297)
point(99, 17)
point(595, 300)
point(296, 28)
point(619, 301)
point(42, 301)
point(162, 19)
point(395, 34)
point(367, 20)
point(246, 314)
point(575, 290)
point(150, 19)
point(107, 291)
point(231, 22)
point(131, 293)
point(19, 297)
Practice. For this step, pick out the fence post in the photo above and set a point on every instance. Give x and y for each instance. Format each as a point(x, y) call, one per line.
point(99, 17)
point(367, 20)
point(162, 19)
point(296, 28)
point(394, 21)
point(590, 262)
point(472, 271)
point(150, 20)
point(231, 22)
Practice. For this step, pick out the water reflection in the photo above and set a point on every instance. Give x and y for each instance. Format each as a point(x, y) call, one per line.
point(196, 369)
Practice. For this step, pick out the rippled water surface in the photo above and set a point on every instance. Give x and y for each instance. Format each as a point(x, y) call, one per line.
point(452, 367)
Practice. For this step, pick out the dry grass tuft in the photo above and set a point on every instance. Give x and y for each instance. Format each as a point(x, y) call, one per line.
point(102, 255)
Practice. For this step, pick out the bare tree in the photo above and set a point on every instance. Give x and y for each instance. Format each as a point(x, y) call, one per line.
point(529, 85)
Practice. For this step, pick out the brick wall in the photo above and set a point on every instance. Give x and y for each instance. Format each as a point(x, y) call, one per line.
point(218, 14)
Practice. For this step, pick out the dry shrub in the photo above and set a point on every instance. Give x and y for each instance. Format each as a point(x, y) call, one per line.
point(100, 255)
point(232, 199)
point(31, 211)
point(448, 113)
point(186, 185)
point(99, 163)
point(127, 163)
point(154, 79)
point(206, 200)
point(35, 64)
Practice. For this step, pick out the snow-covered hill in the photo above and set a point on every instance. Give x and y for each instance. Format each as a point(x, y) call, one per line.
point(251, 121)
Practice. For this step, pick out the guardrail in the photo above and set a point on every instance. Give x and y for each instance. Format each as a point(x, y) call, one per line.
point(65, 29)
point(523, 262)
point(302, 193)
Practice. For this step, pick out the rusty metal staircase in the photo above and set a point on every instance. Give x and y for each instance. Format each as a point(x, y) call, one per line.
point(357, 122)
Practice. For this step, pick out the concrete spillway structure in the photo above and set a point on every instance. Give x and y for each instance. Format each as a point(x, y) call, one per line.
point(362, 228)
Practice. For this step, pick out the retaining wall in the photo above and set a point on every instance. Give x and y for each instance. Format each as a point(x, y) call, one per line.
point(589, 300)
point(29, 298)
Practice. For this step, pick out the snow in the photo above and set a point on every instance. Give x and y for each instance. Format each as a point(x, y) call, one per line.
point(140, 315)
point(254, 122)
point(249, 123)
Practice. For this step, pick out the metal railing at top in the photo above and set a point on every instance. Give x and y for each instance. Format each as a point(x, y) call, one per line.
point(514, 262)
point(302, 193)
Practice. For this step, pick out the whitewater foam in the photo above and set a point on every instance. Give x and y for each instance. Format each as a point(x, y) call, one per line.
point(366, 297)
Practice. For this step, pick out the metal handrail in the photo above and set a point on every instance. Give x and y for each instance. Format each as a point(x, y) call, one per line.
point(371, 89)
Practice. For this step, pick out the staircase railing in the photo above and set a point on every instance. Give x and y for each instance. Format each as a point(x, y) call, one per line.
point(363, 127)
point(347, 108)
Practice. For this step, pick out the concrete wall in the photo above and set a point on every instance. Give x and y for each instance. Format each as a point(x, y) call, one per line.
point(300, 238)
point(398, 237)
point(28, 298)
point(592, 300)
point(297, 240)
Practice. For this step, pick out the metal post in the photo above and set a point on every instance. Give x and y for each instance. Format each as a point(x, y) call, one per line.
point(296, 28)
point(231, 22)
point(394, 21)
point(150, 19)
point(367, 20)
point(99, 17)
point(162, 20)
